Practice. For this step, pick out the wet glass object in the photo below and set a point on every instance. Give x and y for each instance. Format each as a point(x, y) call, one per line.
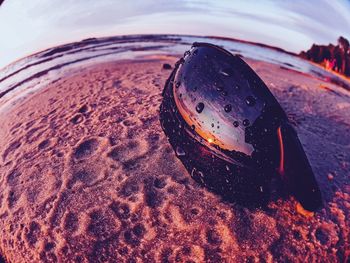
point(232, 133)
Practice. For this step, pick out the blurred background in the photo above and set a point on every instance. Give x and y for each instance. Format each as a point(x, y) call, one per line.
point(30, 26)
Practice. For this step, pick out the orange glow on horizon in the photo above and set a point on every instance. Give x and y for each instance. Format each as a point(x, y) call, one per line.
point(330, 64)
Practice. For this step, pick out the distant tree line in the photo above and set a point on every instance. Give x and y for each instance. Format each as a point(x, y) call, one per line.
point(333, 57)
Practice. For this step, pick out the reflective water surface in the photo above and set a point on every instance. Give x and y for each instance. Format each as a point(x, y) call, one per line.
point(23, 75)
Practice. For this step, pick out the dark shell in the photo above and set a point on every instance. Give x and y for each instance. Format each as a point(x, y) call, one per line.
point(232, 133)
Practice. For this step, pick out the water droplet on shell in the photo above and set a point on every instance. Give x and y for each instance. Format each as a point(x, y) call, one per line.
point(246, 122)
point(228, 108)
point(200, 107)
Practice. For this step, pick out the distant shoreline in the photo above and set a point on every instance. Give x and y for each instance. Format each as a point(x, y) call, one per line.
point(27, 69)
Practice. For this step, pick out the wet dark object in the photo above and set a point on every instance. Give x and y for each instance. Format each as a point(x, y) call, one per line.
point(230, 132)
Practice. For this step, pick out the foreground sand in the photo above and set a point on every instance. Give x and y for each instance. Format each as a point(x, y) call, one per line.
point(87, 175)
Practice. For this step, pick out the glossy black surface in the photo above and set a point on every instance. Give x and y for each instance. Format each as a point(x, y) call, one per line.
point(223, 122)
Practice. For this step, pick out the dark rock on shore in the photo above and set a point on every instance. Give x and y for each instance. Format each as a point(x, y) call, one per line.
point(333, 57)
point(167, 66)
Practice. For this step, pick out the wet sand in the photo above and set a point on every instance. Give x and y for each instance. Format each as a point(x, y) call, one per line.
point(87, 175)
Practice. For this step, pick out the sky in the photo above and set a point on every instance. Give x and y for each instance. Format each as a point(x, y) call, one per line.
point(294, 25)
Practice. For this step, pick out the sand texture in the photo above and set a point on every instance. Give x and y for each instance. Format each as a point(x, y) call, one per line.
point(87, 175)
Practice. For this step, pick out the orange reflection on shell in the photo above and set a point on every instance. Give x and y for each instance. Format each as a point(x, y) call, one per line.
point(280, 139)
point(301, 210)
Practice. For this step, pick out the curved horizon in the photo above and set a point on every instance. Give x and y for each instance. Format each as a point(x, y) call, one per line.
point(291, 25)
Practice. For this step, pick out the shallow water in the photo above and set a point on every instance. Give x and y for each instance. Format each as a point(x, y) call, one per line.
point(44, 67)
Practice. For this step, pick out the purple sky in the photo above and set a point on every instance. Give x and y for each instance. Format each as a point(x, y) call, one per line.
point(30, 26)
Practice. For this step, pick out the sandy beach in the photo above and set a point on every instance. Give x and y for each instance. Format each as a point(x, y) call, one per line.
point(87, 175)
